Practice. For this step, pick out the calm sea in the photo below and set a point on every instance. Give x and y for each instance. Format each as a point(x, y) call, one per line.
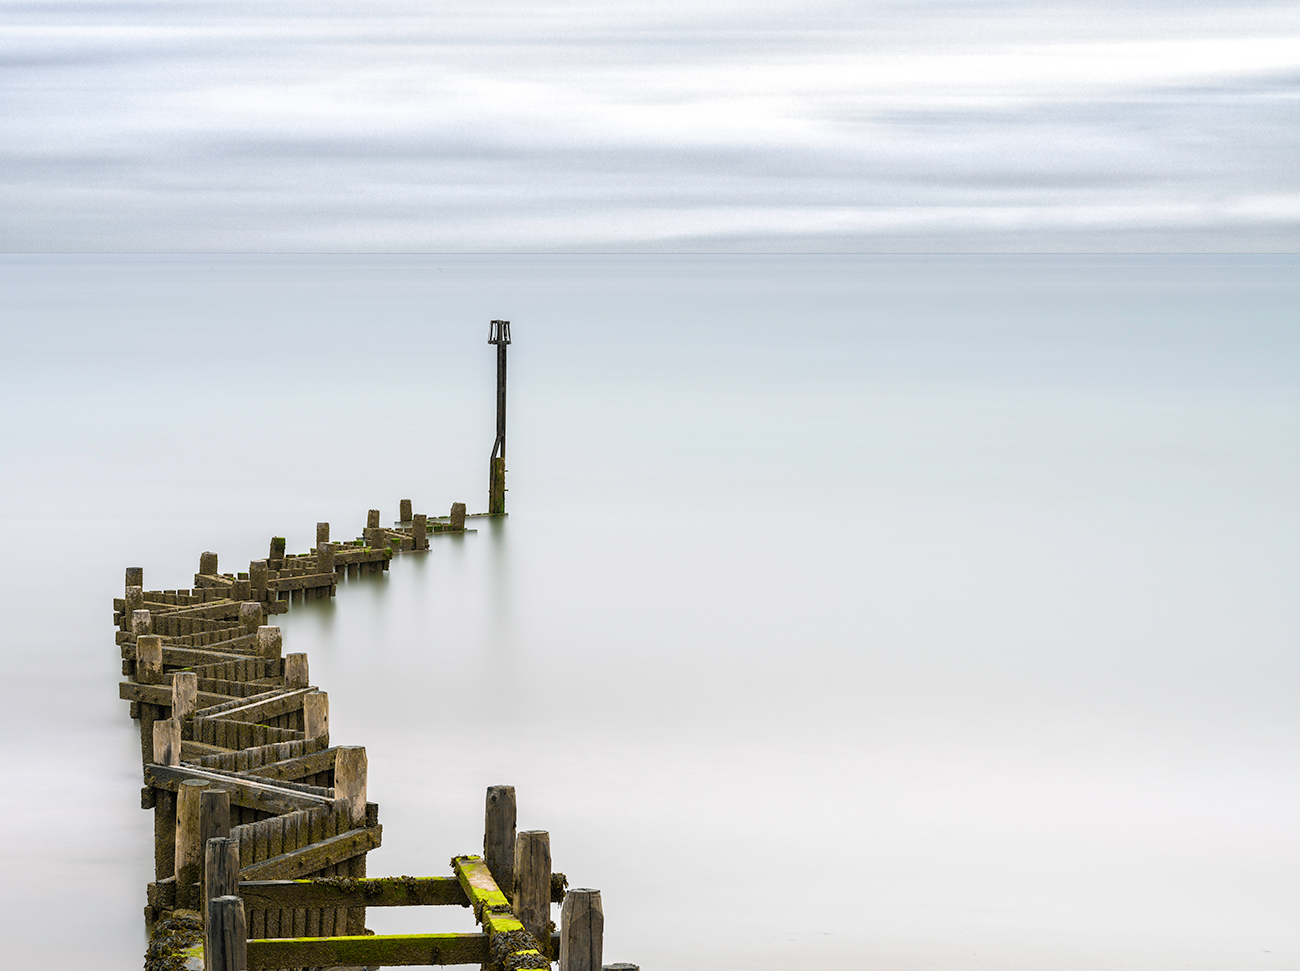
point(861, 612)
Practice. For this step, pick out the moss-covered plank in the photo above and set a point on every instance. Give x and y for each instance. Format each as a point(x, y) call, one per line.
point(349, 892)
point(385, 950)
point(509, 943)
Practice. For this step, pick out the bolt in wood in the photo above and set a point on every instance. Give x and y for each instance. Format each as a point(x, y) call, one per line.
point(350, 781)
point(227, 937)
point(532, 896)
point(582, 931)
point(189, 846)
point(499, 836)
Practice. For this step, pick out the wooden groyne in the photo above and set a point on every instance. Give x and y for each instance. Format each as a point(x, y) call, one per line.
point(262, 825)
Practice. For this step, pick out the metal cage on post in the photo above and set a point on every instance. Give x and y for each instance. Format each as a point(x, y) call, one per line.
point(499, 334)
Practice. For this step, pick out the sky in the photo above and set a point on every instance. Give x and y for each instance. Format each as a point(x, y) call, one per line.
point(763, 126)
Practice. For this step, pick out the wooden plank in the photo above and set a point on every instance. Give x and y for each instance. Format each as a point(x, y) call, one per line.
point(347, 892)
point(243, 791)
point(264, 706)
point(302, 582)
point(512, 944)
point(290, 770)
point(383, 950)
point(161, 694)
point(186, 657)
point(315, 856)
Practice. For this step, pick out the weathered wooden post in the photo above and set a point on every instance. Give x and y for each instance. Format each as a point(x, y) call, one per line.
point(325, 558)
point(531, 900)
point(404, 507)
point(166, 742)
point(141, 623)
point(207, 564)
point(214, 823)
point(227, 937)
point(189, 845)
point(148, 657)
point(499, 334)
point(582, 930)
point(221, 879)
point(269, 645)
point(277, 548)
point(316, 714)
point(134, 602)
point(499, 836)
point(295, 671)
point(420, 530)
point(250, 616)
point(457, 516)
point(135, 576)
point(322, 533)
point(350, 781)
point(259, 573)
point(185, 695)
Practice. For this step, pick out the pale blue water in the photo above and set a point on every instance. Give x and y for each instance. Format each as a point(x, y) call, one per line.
point(852, 611)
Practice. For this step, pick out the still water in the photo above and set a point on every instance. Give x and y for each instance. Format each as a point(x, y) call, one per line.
point(862, 612)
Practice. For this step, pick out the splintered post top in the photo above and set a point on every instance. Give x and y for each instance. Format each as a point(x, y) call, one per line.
point(499, 332)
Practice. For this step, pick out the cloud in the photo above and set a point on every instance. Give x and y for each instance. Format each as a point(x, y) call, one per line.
point(427, 127)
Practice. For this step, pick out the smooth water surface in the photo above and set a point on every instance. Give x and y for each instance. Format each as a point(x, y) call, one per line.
point(920, 613)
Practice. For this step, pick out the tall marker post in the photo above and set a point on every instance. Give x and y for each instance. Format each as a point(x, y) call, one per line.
point(499, 334)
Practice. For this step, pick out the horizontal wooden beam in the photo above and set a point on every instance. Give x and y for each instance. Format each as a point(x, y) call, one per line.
point(191, 657)
point(348, 892)
point(161, 694)
point(191, 751)
point(244, 792)
point(384, 950)
point(303, 581)
point(290, 769)
point(260, 707)
point(315, 856)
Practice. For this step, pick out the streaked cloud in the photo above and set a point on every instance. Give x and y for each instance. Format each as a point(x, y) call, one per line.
point(778, 126)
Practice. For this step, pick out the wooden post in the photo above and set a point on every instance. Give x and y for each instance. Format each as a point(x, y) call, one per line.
point(134, 602)
point(214, 823)
point(295, 671)
point(221, 879)
point(166, 742)
point(259, 572)
point(372, 519)
point(185, 695)
point(141, 623)
point(164, 834)
point(207, 564)
point(316, 714)
point(189, 846)
point(582, 931)
point(420, 530)
point(457, 516)
point(350, 781)
point(135, 576)
point(531, 901)
point(499, 334)
point(227, 937)
point(322, 533)
point(405, 507)
point(277, 548)
point(270, 643)
point(148, 657)
point(499, 836)
point(325, 558)
point(250, 616)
